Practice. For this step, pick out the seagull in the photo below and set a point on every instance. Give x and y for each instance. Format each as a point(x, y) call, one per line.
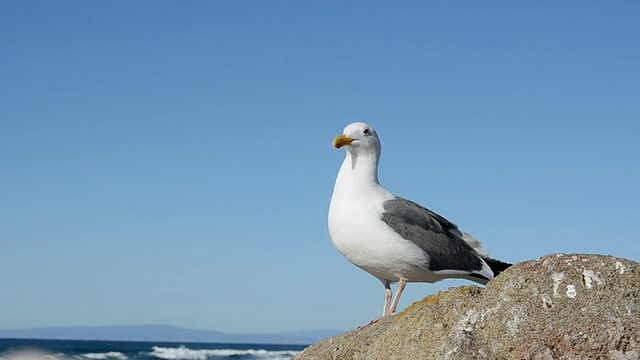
point(394, 239)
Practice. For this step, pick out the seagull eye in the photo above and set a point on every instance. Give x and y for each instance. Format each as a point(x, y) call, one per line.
point(366, 131)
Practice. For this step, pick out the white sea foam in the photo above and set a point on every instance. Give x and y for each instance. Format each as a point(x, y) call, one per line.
point(184, 353)
point(32, 354)
point(105, 356)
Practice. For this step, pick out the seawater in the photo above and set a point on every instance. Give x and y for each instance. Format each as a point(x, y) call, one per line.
point(32, 349)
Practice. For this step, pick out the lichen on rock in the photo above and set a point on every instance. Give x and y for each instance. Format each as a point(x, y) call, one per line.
point(557, 307)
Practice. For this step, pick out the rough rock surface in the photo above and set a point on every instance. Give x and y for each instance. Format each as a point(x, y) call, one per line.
point(556, 307)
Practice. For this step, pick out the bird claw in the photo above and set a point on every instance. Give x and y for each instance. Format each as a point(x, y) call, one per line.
point(375, 321)
point(369, 324)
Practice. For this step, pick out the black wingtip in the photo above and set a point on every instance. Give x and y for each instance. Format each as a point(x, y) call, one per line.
point(497, 266)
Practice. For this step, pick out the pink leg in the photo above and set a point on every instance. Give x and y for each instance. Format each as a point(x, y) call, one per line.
point(387, 300)
point(401, 284)
point(385, 311)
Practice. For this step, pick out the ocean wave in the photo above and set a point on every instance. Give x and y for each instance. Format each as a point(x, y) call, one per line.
point(184, 353)
point(35, 354)
point(105, 356)
point(31, 354)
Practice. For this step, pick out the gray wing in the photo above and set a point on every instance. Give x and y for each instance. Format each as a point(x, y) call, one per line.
point(439, 238)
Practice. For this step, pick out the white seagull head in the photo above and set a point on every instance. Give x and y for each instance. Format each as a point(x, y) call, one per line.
point(359, 138)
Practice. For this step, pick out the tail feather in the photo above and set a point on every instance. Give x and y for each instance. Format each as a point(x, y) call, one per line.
point(496, 266)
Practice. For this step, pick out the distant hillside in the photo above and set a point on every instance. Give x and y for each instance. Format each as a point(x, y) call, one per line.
point(167, 333)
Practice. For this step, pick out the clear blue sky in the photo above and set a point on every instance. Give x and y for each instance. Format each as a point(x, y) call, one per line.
point(171, 162)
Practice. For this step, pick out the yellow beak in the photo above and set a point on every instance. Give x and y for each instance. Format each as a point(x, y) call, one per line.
point(341, 141)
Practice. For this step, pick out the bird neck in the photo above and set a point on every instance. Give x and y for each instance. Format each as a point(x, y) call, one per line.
point(360, 168)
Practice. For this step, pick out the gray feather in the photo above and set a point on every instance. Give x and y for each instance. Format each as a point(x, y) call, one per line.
point(439, 238)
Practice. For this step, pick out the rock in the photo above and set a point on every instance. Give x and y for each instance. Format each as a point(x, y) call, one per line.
point(557, 307)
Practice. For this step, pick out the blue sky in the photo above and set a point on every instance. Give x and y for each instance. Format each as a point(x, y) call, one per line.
point(171, 162)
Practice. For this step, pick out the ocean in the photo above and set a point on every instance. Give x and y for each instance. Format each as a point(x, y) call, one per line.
point(31, 349)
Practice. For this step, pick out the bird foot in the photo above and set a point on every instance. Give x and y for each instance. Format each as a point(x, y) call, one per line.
point(369, 324)
point(374, 321)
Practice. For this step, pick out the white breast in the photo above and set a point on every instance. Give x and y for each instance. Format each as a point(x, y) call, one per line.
point(358, 232)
